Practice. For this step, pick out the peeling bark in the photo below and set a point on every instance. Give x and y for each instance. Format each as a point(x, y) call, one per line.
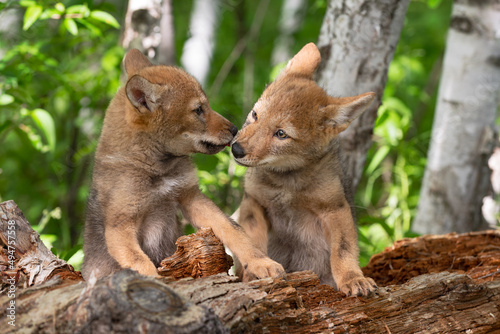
point(23, 256)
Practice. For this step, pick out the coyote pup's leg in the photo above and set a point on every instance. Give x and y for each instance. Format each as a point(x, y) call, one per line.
point(340, 233)
point(122, 239)
point(125, 249)
point(254, 221)
point(204, 213)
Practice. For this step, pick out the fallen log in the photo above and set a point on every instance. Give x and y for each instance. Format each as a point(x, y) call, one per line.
point(461, 295)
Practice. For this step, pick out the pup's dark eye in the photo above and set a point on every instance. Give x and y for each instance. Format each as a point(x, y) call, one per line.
point(198, 110)
point(281, 134)
point(254, 115)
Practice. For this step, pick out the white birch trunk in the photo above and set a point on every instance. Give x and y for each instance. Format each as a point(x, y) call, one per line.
point(457, 175)
point(166, 49)
point(357, 42)
point(292, 14)
point(199, 48)
point(149, 28)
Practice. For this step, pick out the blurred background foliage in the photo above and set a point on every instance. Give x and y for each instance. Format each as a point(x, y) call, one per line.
point(60, 64)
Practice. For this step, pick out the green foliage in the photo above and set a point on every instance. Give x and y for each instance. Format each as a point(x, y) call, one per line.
point(57, 75)
point(388, 195)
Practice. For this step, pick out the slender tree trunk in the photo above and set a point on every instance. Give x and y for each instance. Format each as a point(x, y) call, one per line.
point(149, 28)
point(199, 48)
point(249, 70)
point(290, 21)
point(457, 175)
point(357, 42)
point(166, 49)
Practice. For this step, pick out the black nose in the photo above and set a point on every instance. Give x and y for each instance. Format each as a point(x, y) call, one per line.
point(237, 150)
point(233, 130)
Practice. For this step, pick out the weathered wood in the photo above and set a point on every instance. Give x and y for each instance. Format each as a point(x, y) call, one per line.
point(123, 303)
point(433, 303)
point(23, 255)
point(198, 255)
point(456, 288)
point(476, 254)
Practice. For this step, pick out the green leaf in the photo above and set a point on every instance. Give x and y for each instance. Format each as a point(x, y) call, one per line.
point(71, 26)
point(92, 28)
point(78, 9)
point(104, 17)
point(32, 14)
point(377, 159)
point(60, 7)
point(433, 3)
point(48, 13)
point(46, 123)
point(27, 3)
point(6, 99)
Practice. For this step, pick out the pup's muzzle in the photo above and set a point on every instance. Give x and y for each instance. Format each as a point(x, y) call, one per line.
point(237, 150)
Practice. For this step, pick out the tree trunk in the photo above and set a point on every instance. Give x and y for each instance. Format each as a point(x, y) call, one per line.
point(166, 49)
point(415, 295)
point(457, 176)
point(149, 28)
point(199, 48)
point(357, 42)
point(292, 14)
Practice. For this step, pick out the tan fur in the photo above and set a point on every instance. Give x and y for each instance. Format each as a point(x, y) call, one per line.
point(143, 176)
point(295, 207)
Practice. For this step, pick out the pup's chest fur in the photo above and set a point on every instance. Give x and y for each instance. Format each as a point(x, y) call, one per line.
point(296, 210)
point(295, 203)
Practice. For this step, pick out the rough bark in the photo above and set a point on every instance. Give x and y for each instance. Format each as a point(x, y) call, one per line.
point(198, 255)
point(123, 303)
point(432, 303)
point(463, 136)
point(415, 295)
point(476, 254)
point(199, 48)
point(149, 28)
point(23, 256)
point(357, 42)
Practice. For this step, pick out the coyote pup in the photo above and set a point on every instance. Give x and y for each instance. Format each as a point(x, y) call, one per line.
point(143, 175)
point(295, 207)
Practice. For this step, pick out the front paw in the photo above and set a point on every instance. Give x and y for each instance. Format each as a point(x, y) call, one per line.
point(146, 268)
point(355, 284)
point(261, 268)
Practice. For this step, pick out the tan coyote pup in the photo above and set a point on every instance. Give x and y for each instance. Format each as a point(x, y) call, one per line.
point(143, 175)
point(295, 207)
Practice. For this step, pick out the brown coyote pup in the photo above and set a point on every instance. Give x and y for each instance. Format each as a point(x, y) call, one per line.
point(295, 207)
point(143, 175)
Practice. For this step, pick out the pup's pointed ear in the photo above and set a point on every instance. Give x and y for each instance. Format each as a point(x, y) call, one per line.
point(344, 110)
point(142, 93)
point(135, 61)
point(305, 61)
